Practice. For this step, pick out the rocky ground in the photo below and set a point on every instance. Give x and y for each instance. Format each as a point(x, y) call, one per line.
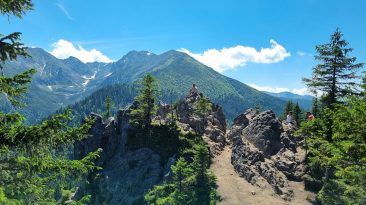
point(234, 190)
point(264, 154)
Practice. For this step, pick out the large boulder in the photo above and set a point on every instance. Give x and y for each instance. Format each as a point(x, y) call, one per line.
point(263, 147)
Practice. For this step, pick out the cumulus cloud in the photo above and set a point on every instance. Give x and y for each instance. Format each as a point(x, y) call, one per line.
point(299, 91)
point(233, 57)
point(63, 49)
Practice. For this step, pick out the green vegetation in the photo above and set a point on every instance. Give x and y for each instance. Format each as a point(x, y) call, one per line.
point(298, 114)
point(108, 106)
point(336, 138)
point(191, 182)
point(34, 165)
point(142, 115)
point(336, 71)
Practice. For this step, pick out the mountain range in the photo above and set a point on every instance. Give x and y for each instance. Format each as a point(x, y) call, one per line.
point(60, 83)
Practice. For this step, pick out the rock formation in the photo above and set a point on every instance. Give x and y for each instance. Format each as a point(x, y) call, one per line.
point(263, 147)
point(126, 174)
point(212, 127)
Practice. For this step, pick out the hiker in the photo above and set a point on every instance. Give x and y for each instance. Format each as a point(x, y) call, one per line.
point(193, 92)
point(310, 116)
point(289, 118)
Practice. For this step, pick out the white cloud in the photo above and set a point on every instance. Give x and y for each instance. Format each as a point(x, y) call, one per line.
point(300, 53)
point(63, 49)
point(233, 57)
point(299, 91)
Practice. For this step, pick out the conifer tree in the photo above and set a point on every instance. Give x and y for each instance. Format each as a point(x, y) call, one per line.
point(203, 106)
point(146, 108)
point(108, 106)
point(288, 107)
point(336, 70)
point(33, 163)
point(315, 107)
point(363, 86)
point(182, 179)
point(297, 113)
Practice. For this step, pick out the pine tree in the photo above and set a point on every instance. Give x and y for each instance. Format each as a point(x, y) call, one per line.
point(315, 107)
point(142, 115)
point(182, 179)
point(335, 71)
point(297, 113)
point(204, 179)
point(34, 163)
point(108, 106)
point(203, 106)
point(363, 86)
point(288, 107)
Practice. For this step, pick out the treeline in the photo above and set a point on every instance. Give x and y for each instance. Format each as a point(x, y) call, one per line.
point(120, 95)
point(336, 138)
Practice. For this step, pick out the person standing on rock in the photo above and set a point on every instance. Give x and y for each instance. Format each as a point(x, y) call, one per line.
point(289, 118)
point(193, 92)
point(310, 116)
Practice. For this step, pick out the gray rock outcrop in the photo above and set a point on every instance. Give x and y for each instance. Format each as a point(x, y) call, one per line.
point(263, 147)
point(212, 127)
point(126, 174)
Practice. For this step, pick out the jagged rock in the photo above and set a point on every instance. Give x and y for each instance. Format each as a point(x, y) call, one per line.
point(212, 127)
point(126, 175)
point(264, 132)
point(264, 147)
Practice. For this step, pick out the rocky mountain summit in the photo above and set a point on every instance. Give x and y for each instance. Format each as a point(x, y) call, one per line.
point(127, 174)
point(264, 150)
point(212, 127)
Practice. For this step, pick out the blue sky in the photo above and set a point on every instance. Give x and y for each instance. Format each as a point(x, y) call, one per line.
point(287, 30)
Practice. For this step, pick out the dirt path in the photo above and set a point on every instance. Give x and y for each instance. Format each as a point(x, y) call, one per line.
point(235, 190)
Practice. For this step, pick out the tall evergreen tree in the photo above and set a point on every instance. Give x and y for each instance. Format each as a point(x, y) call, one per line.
point(288, 107)
point(146, 109)
point(33, 162)
point(363, 86)
point(108, 106)
point(336, 70)
point(315, 107)
point(297, 113)
point(203, 106)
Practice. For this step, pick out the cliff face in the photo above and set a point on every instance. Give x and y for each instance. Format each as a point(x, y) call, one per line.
point(126, 175)
point(264, 148)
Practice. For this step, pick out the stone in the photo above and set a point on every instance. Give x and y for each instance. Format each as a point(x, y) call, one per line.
point(265, 148)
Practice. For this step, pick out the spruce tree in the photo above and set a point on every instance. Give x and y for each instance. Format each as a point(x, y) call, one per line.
point(288, 107)
point(142, 115)
point(34, 164)
point(297, 113)
point(203, 106)
point(363, 86)
point(108, 106)
point(315, 107)
point(336, 70)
